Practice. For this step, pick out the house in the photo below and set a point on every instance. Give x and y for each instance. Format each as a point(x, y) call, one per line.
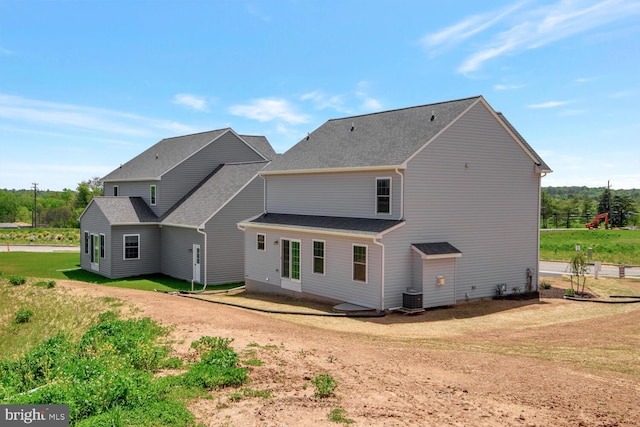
point(436, 204)
point(173, 209)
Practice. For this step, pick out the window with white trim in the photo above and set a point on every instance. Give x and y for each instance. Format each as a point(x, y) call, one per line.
point(318, 256)
point(102, 238)
point(131, 244)
point(290, 259)
point(260, 241)
point(152, 195)
point(360, 263)
point(383, 195)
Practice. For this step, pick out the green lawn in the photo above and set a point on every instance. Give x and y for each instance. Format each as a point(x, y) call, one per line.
point(63, 265)
point(609, 246)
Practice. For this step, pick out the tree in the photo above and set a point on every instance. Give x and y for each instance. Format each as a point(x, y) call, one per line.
point(579, 269)
point(87, 190)
point(9, 206)
point(548, 207)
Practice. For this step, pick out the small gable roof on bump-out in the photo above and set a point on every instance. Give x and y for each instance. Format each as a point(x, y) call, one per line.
point(168, 153)
point(120, 210)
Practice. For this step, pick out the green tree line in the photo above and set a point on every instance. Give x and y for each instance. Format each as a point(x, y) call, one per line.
point(573, 207)
point(48, 208)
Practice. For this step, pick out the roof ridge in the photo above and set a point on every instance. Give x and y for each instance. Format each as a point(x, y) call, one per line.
point(405, 108)
point(196, 133)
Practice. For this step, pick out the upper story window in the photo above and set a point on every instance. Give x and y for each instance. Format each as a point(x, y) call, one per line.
point(318, 256)
point(152, 195)
point(115, 190)
point(383, 195)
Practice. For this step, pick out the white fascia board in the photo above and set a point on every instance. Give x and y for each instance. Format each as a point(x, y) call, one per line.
point(121, 224)
point(165, 224)
point(334, 170)
point(133, 179)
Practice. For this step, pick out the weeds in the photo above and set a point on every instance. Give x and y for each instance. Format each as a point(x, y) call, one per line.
point(337, 415)
point(17, 280)
point(23, 315)
point(325, 385)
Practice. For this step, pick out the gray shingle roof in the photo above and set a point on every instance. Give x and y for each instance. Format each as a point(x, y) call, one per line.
point(125, 210)
point(438, 248)
point(381, 139)
point(213, 193)
point(166, 154)
point(362, 226)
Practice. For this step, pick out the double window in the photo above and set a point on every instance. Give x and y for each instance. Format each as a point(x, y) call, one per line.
point(131, 246)
point(383, 195)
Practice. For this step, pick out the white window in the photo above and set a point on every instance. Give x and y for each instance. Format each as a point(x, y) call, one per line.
point(260, 241)
point(383, 195)
point(131, 243)
point(360, 263)
point(152, 195)
point(102, 237)
point(318, 256)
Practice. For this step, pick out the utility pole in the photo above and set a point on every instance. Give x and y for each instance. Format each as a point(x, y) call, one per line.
point(34, 222)
point(609, 204)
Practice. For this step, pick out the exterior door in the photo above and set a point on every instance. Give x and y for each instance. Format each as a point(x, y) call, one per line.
point(196, 263)
point(95, 252)
point(290, 265)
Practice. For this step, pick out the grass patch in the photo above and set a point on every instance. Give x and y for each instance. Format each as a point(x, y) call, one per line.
point(337, 415)
point(609, 246)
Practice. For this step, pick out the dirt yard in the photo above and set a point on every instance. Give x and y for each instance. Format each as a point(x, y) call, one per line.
point(547, 362)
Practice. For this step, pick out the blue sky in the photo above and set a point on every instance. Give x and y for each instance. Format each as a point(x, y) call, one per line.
point(87, 85)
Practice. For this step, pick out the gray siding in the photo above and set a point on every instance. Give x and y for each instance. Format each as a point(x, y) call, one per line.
point(180, 180)
point(225, 242)
point(475, 188)
point(149, 262)
point(332, 194)
point(177, 256)
point(95, 222)
point(336, 283)
point(434, 295)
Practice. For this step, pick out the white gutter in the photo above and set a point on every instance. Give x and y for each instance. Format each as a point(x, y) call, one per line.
point(333, 170)
point(204, 256)
point(401, 193)
point(377, 242)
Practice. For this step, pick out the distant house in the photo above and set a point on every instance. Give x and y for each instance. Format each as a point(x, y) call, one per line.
point(173, 209)
point(442, 199)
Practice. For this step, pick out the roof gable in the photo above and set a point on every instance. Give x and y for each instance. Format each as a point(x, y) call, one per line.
point(212, 194)
point(387, 138)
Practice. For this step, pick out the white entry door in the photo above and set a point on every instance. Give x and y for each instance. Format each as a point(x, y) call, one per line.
point(196, 263)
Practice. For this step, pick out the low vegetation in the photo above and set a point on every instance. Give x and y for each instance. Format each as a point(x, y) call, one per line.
point(40, 236)
point(608, 246)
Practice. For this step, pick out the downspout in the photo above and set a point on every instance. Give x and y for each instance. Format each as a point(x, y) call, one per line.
point(204, 285)
point(538, 229)
point(375, 241)
point(401, 193)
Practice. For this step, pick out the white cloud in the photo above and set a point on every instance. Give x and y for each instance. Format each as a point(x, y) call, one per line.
point(193, 101)
point(507, 87)
point(368, 103)
point(268, 109)
point(525, 26)
point(322, 101)
point(24, 112)
point(549, 104)
point(371, 104)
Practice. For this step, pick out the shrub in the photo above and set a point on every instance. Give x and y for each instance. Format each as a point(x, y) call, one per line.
point(325, 385)
point(23, 315)
point(570, 293)
point(338, 416)
point(17, 280)
point(545, 285)
point(51, 284)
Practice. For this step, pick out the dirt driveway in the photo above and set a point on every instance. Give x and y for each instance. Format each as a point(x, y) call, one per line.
point(491, 363)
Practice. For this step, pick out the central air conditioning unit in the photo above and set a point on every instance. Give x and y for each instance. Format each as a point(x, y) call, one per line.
point(412, 301)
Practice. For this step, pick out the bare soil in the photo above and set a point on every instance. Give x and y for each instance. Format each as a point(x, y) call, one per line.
point(546, 362)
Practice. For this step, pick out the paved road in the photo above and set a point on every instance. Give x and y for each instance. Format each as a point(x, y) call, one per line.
point(610, 270)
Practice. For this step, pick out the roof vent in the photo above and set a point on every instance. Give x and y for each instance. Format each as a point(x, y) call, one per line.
point(353, 126)
point(308, 136)
point(157, 155)
point(433, 115)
